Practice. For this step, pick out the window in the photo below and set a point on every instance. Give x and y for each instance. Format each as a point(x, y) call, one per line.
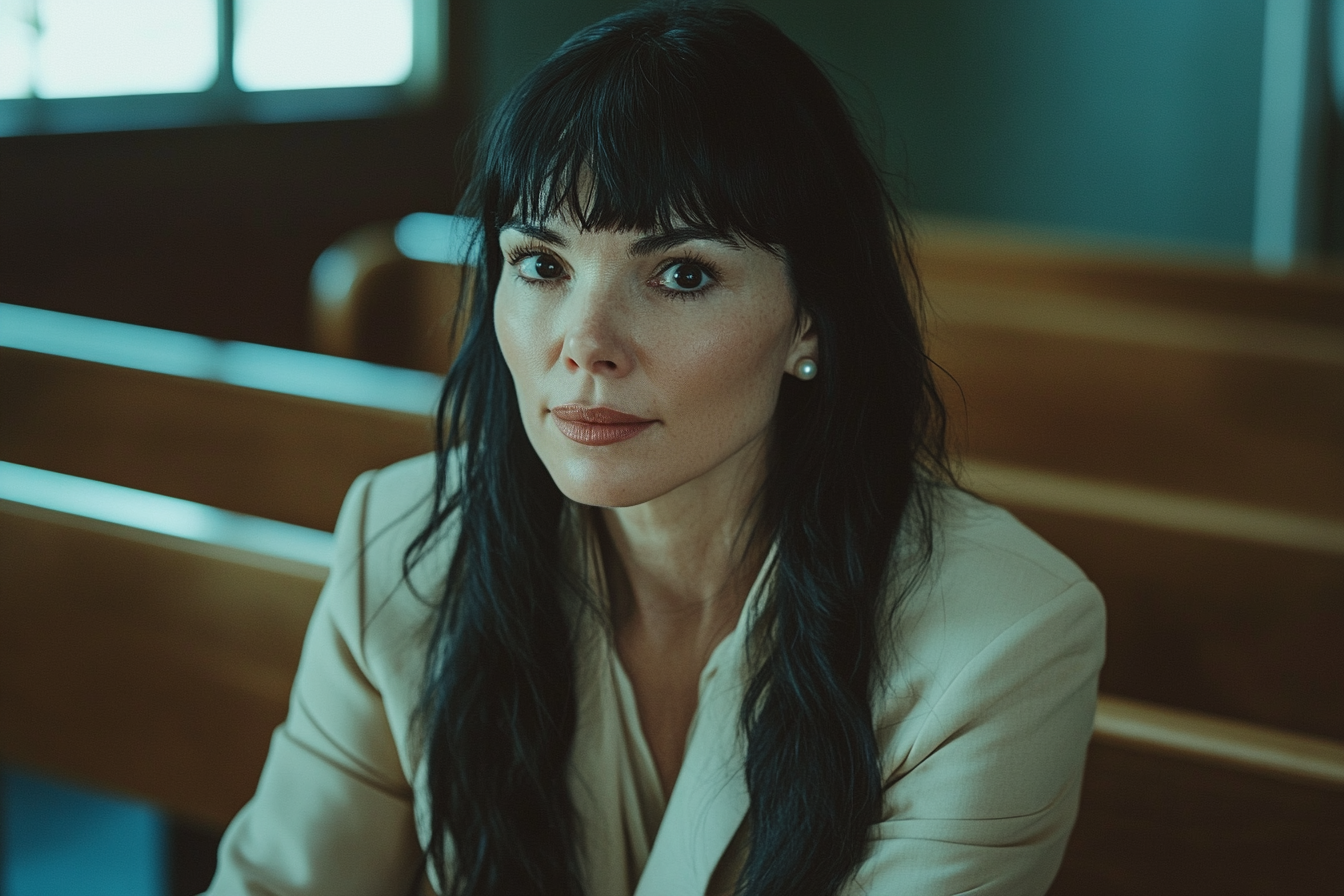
point(94, 65)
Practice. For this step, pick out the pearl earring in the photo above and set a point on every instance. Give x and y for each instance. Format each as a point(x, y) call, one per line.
point(805, 369)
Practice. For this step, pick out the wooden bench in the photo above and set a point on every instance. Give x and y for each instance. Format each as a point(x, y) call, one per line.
point(191, 433)
point(1229, 406)
point(952, 251)
point(176, 655)
point(371, 301)
point(1191, 462)
point(1211, 606)
point(1178, 429)
point(137, 661)
point(1177, 802)
point(147, 664)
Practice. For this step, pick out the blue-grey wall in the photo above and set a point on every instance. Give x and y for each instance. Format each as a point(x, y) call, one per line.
point(1128, 119)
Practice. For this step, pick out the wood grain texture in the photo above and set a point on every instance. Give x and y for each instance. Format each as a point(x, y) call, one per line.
point(1215, 607)
point(1162, 824)
point(264, 453)
point(145, 664)
point(1217, 420)
point(949, 251)
point(1216, 625)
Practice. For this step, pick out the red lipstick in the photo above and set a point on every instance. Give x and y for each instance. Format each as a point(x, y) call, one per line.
point(597, 426)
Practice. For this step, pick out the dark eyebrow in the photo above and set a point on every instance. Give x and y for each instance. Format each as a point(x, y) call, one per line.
point(666, 239)
point(537, 232)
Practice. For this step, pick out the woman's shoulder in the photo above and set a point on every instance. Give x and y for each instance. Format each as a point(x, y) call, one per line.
point(396, 492)
point(987, 707)
point(394, 505)
point(378, 600)
point(991, 587)
point(989, 563)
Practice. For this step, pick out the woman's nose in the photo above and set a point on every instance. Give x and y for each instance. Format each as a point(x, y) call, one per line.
point(596, 339)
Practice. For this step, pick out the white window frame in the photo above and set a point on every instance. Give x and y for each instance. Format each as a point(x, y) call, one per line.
point(225, 102)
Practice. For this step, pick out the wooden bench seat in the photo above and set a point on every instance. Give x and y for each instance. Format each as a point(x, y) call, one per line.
point(1160, 820)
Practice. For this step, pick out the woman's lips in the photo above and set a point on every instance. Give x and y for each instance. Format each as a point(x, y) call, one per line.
point(597, 426)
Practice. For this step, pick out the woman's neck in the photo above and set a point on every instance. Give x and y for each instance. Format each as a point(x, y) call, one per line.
point(680, 567)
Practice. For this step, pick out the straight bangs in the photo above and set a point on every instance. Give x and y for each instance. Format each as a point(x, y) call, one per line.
point(626, 134)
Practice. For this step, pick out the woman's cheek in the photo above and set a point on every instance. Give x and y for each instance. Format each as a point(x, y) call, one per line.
point(516, 334)
point(731, 369)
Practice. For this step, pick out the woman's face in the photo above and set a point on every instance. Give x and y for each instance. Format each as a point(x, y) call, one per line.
point(644, 361)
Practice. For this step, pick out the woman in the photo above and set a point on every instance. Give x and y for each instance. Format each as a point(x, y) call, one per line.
point(686, 601)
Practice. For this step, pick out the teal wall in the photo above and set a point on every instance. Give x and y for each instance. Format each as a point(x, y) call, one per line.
point(1127, 119)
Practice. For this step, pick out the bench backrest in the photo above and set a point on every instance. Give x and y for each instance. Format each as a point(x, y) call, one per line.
point(145, 663)
point(260, 430)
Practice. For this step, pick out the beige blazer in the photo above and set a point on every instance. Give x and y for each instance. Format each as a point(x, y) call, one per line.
point(982, 726)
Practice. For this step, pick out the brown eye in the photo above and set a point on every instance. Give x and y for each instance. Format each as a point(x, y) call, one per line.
point(685, 276)
point(541, 267)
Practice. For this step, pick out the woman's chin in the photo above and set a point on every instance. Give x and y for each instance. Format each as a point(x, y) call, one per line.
point(605, 493)
point(600, 485)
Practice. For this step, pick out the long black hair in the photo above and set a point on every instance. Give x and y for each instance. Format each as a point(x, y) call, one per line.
point(706, 115)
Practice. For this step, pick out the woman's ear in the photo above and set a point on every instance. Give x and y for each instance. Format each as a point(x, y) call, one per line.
point(803, 361)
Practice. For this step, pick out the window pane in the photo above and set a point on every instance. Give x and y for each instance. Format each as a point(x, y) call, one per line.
point(112, 47)
point(18, 47)
point(289, 44)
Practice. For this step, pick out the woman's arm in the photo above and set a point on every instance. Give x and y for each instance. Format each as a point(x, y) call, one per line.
point(333, 810)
